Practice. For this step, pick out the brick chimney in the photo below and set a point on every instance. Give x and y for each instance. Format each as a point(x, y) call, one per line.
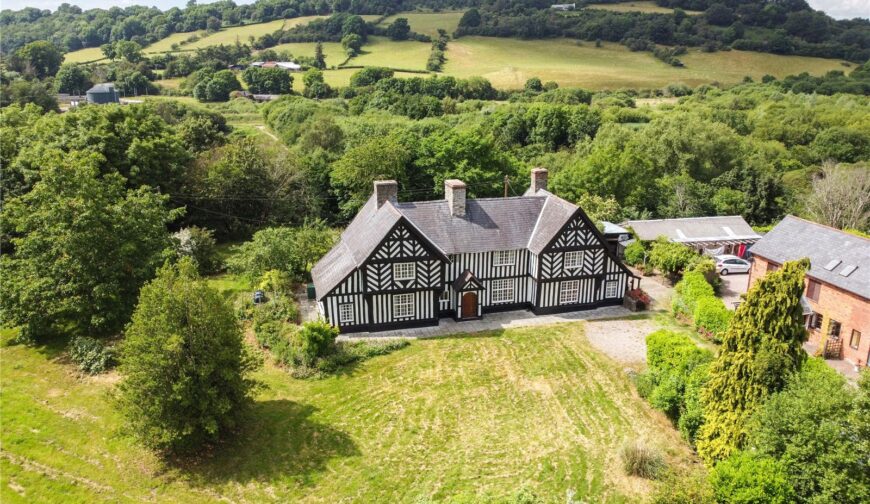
point(454, 192)
point(386, 190)
point(539, 179)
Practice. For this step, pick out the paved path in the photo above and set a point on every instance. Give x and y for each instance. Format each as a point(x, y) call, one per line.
point(495, 321)
point(732, 287)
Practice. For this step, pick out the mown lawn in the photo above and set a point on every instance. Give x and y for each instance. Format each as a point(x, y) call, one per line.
point(477, 415)
point(508, 63)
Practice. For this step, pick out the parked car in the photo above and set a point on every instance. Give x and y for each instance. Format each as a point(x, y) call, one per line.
point(259, 297)
point(726, 264)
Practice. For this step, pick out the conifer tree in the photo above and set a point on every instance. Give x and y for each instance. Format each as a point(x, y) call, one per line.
point(319, 59)
point(760, 349)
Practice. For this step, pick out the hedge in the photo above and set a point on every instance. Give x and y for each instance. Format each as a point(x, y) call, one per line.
point(676, 372)
point(695, 300)
point(711, 317)
point(689, 290)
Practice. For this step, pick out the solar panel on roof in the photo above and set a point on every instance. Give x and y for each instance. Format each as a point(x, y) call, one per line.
point(848, 270)
point(833, 264)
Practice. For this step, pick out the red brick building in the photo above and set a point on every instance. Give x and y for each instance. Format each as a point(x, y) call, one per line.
point(837, 293)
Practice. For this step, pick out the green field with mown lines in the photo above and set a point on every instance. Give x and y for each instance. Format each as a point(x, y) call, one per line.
point(482, 414)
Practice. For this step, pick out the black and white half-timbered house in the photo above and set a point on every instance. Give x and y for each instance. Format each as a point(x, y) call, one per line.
point(409, 264)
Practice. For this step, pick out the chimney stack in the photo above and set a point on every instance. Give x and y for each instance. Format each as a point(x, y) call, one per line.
point(539, 179)
point(386, 190)
point(454, 192)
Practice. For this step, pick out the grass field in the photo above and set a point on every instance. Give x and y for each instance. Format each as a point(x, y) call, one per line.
point(483, 414)
point(508, 63)
point(428, 23)
point(332, 51)
point(84, 55)
point(165, 45)
point(649, 7)
point(381, 51)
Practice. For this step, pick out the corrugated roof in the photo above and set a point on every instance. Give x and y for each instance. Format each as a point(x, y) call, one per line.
point(795, 238)
point(695, 229)
point(106, 87)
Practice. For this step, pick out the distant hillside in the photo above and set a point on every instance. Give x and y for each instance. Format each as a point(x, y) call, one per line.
point(782, 27)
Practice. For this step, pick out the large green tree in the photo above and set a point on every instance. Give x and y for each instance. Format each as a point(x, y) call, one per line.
point(186, 370)
point(817, 427)
point(72, 79)
point(760, 349)
point(83, 244)
point(39, 59)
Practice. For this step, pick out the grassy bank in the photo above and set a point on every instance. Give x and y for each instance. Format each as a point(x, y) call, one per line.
point(483, 414)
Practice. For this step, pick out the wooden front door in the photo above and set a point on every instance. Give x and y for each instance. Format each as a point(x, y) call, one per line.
point(469, 305)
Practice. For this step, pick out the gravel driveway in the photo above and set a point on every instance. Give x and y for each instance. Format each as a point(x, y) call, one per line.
point(622, 340)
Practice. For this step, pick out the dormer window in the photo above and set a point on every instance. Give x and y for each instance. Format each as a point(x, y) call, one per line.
point(505, 258)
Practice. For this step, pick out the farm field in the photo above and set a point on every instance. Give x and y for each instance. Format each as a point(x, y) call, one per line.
point(648, 7)
point(86, 55)
point(484, 414)
point(241, 33)
point(381, 51)
point(508, 63)
point(341, 77)
point(428, 23)
point(332, 51)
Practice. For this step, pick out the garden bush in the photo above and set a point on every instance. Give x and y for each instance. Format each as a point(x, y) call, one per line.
point(692, 411)
point(688, 291)
point(91, 355)
point(746, 478)
point(676, 371)
point(711, 317)
point(315, 340)
point(639, 459)
point(678, 488)
point(635, 253)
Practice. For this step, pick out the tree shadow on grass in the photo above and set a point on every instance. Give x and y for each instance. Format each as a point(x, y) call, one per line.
point(278, 441)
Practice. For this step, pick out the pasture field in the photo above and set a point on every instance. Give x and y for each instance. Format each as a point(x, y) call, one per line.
point(340, 77)
point(381, 51)
point(476, 415)
point(428, 23)
point(645, 6)
point(86, 55)
point(508, 63)
point(164, 45)
point(332, 51)
point(242, 33)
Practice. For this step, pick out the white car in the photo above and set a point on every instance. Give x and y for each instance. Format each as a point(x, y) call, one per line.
point(726, 264)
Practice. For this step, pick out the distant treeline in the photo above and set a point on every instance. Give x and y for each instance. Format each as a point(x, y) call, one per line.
point(70, 28)
point(787, 27)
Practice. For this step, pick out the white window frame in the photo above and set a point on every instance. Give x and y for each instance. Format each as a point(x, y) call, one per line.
point(404, 271)
point(504, 258)
point(403, 306)
point(608, 285)
point(343, 316)
point(574, 259)
point(502, 290)
point(569, 292)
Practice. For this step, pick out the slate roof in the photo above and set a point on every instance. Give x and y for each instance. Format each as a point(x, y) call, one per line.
point(106, 87)
point(795, 238)
point(695, 229)
point(529, 221)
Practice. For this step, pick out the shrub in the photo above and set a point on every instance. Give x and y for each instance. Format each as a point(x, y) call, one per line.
point(315, 340)
point(641, 460)
point(670, 258)
point(688, 291)
point(750, 479)
point(683, 489)
point(91, 355)
point(634, 253)
point(692, 410)
point(199, 244)
point(711, 317)
point(707, 267)
point(676, 368)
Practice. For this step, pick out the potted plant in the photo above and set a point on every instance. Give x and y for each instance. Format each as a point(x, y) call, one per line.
point(636, 300)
